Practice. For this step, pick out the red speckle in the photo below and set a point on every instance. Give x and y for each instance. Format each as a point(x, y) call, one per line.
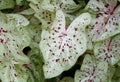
point(49, 22)
point(59, 24)
point(15, 75)
point(107, 5)
point(58, 27)
point(53, 54)
point(1, 40)
point(57, 60)
point(54, 41)
point(55, 30)
point(98, 8)
point(96, 23)
point(69, 57)
point(70, 46)
point(74, 35)
point(76, 29)
point(50, 50)
point(4, 54)
point(62, 50)
point(37, 6)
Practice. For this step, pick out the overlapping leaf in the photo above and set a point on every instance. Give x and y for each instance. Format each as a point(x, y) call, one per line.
point(5, 4)
point(67, 79)
point(12, 73)
point(46, 17)
point(108, 50)
point(36, 71)
point(13, 38)
point(67, 6)
point(106, 17)
point(61, 46)
point(91, 71)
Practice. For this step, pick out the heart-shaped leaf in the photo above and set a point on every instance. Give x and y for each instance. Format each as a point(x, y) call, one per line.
point(13, 73)
point(13, 38)
point(108, 50)
point(106, 19)
point(91, 71)
point(61, 46)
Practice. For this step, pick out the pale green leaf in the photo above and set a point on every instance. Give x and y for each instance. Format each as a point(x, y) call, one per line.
point(61, 46)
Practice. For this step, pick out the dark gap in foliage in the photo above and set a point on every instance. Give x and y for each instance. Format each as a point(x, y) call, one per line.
point(86, 1)
point(78, 1)
point(7, 10)
point(118, 3)
point(70, 72)
point(26, 50)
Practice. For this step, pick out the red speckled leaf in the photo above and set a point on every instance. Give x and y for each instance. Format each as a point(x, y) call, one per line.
point(67, 6)
point(91, 71)
point(46, 17)
point(13, 38)
point(101, 6)
point(108, 50)
point(62, 46)
point(105, 21)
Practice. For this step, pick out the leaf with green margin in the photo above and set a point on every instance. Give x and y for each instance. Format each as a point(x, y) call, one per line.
point(106, 19)
point(27, 12)
point(101, 6)
point(110, 72)
point(62, 46)
point(6, 4)
point(91, 71)
point(118, 63)
point(13, 38)
point(36, 72)
point(116, 76)
point(108, 50)
point(51, 5)
point(10, 72)
point(67, 79)
point(68, 6)
point(46, 17)
point(35, 34)
point(21, 2)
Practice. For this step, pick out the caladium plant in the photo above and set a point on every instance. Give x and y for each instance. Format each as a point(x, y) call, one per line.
point(59, 40)
point(63, 45)
point(46, 17)
point(68, 6)
point(106, 17)
point(67, 79)
point(91, 71)
point(5, 4)
point(12, 58)
point(108, 50)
